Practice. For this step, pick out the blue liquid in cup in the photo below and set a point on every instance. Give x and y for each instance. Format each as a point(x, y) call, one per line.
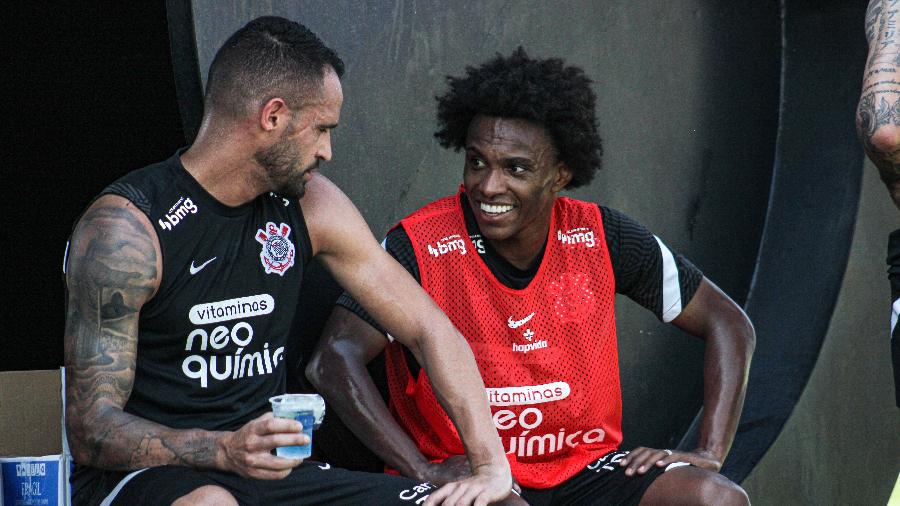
point(302, 451)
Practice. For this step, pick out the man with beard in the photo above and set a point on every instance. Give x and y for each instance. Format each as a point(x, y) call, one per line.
point(183, 279)
point(530, 280)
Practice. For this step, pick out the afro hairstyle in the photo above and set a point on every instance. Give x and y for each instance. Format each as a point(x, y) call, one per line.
point(545, 91)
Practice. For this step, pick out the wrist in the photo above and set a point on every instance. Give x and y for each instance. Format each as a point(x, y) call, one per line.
point(711, 454)
point(222, 458)
point(495, 468)
point(419, 468)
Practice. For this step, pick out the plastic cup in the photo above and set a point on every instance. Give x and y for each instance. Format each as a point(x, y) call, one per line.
point(308, 409)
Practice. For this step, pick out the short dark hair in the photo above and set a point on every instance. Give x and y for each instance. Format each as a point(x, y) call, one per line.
point(269, 57)
point(556, 96)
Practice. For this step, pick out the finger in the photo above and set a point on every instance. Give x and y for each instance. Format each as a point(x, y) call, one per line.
point(633, 456)
point(456, 498)
point(666, 458)
point(273, 425)
point(624, 461)
point(477, 494)
point(271, 441)
point(265, 474)
point(643, 461)
point(269, 462)
point(266, 443)
point(437, 497)
point(486, 496)
point(483, 499)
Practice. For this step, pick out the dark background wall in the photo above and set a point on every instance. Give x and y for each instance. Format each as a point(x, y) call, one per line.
point(92, 97)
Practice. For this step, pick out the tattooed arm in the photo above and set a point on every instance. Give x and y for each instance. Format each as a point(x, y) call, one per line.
point(878, 113)
point(114, 267)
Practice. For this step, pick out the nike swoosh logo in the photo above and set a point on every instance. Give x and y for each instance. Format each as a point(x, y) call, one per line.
point(195, 270)
point(514, 324)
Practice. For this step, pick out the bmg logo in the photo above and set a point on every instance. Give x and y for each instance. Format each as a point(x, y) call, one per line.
point(177, 213)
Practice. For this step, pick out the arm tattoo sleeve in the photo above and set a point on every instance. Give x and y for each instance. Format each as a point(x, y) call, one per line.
point(111, 274)
point(879, 105)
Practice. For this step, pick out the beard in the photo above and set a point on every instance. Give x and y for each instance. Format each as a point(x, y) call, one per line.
point(282, 161)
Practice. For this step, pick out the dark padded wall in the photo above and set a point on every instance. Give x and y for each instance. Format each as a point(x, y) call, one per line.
point(688, 95)
point(92, 97)
point(812, 211)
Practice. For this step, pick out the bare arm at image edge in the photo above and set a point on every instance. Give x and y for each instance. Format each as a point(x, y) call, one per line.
point(878, 112)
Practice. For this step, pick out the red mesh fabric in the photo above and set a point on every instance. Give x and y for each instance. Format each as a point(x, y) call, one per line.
point(547, 353)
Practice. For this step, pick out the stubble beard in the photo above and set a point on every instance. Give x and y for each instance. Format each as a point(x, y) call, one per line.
point(281, 164)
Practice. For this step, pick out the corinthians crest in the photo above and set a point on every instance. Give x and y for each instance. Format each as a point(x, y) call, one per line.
point(574, 298)
point(277, 253)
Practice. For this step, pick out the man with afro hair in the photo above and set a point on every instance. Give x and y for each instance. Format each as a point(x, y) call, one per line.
point(529, 278)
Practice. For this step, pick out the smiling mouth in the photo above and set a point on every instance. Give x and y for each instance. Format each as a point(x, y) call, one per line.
point(495, 209)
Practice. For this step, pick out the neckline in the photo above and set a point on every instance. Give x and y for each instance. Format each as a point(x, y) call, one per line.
point(462, 205)
point(200, 193)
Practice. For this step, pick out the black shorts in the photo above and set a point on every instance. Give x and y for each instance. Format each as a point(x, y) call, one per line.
point(310, 483)
point(601, 482)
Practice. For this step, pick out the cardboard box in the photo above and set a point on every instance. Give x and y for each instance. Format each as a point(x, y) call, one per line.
point(34, 455)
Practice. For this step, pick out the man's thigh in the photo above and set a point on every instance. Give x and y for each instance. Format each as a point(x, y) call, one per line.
point(308, 484)
point(155, 486)
point(601, 482)
point(319, 483)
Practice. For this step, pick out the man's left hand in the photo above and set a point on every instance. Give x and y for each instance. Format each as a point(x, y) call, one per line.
point(642, 459)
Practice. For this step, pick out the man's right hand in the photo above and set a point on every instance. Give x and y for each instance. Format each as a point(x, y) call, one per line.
point(453, 468)
point(247, 451)
point(487, 485)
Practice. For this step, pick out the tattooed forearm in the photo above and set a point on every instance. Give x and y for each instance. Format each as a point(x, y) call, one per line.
point(112, 272)
point(872, 14)
point(878, 112)
point(882, 33)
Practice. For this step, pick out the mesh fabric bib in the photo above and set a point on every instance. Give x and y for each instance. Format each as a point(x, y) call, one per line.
point(547, 353)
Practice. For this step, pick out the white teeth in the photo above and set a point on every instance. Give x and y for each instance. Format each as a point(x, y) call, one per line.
point(495, 209)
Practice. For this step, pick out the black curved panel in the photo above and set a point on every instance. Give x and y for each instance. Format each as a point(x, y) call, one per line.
point(183, 47)
point(810, 219)
point(90, 98)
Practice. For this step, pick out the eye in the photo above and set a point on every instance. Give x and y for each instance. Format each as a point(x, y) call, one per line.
point(477, 163)
point(517, 169)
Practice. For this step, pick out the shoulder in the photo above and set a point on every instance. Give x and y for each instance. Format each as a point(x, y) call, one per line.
point(114, 214)
point(114, 235)
point(330, 215)
point(442, 205)
point(145, 185)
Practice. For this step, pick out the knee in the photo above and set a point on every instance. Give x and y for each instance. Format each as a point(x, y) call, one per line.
point(209, 495)
point(717, 490)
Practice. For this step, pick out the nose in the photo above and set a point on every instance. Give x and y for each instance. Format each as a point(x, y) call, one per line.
point(493, 183)
point(324, 151)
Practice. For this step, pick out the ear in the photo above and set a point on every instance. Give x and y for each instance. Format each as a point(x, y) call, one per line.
point(563, 177)
point(274, 114)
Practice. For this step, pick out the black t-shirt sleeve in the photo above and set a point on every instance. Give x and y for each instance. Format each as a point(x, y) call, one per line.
point(646, 270)
point(399, 246)
point(893, 260)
